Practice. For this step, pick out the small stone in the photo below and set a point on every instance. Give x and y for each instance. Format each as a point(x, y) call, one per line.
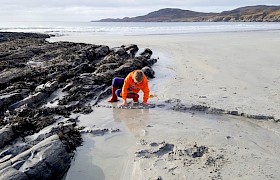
point(159, 178)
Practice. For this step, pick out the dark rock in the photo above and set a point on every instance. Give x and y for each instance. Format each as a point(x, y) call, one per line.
point(5, 158)
point(97, 132)
point(56, 157)
point(148, 71)
point(196, 151)
point(147, 53)
point(45, 160)
point(166, 148)
point(102, 51)
point(11, 96)
point(7, 99)
point(5, 165)
point(11, 173)
point(120, 51)
point(18, 164)
point(154, 144)
point(81, 68)
point(29, 100)
point(199, 108)
point(115, 130)
point(260, 117)
point(36, 169)
point(106, 67)
point(199, 151)
point(48, 87)
point(233, 113)
point(68, 86)
point(6, 135)
point(131, 46)
point(131, 50)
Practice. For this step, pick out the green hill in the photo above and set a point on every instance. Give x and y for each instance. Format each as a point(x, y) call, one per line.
point(259, 13)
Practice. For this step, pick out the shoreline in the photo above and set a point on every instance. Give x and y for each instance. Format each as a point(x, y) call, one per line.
point(221, 32)
point(136, 28)
point(64, 36)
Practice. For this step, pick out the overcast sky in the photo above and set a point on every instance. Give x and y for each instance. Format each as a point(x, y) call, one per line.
point(86, 10)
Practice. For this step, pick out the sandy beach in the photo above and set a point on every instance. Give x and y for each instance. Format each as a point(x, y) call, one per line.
point(236, 71)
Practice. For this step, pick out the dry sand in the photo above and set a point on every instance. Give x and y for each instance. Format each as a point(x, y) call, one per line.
point(233, 71)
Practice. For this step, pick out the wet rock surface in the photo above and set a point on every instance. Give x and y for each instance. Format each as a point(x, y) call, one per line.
point(176, 105)
point(41, 85)
point(130, 105)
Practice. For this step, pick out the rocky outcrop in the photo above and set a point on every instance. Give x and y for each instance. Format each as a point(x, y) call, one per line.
point(6, 135)
point(41, 84)
point(176, 105)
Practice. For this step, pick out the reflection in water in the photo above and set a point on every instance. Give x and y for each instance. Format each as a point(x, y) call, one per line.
point(134, 119)
point(83, 166)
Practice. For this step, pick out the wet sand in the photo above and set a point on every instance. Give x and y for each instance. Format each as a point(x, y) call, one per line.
point(232, 71)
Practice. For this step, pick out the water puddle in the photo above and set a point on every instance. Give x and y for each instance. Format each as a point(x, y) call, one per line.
point(107, 154)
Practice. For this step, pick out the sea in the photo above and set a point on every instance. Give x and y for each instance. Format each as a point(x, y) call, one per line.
point(134, 28)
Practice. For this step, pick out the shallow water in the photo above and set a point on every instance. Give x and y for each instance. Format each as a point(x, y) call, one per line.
point(108, 154)
point(134, 28)
point(112, 156)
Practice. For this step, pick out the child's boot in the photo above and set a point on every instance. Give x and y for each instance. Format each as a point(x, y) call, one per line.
point(114, 97)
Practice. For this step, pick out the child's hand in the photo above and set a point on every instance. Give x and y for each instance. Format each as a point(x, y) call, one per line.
point(124, 103)
point(145, 103)
point(152, 95)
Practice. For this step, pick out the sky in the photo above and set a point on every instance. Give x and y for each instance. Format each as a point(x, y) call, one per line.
point(86, 10)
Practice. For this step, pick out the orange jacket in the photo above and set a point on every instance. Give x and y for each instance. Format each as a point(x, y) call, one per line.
point(130, 86)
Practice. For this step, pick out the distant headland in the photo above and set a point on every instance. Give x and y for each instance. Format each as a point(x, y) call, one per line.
point(260, 13)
